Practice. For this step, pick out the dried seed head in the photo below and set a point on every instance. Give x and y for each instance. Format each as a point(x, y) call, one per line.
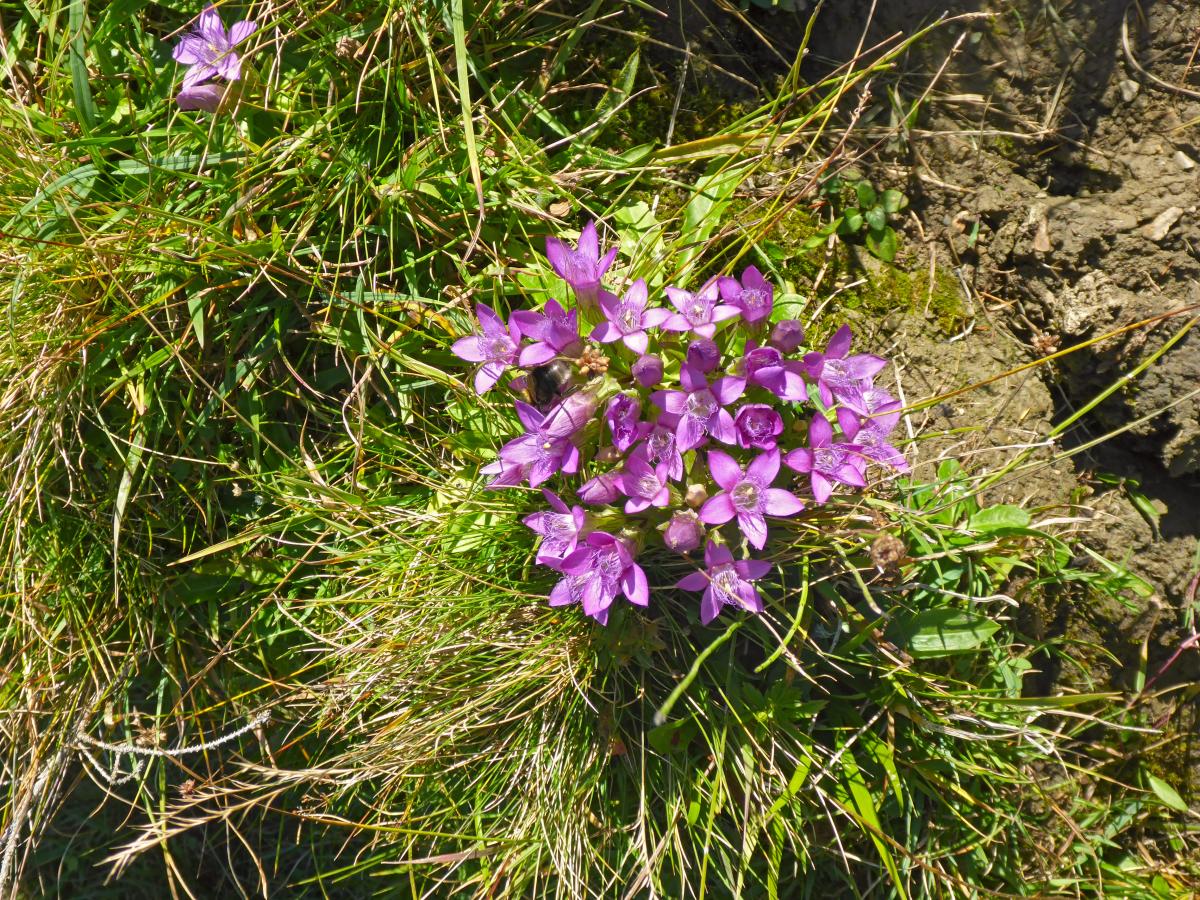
point(887, 552)
point(592, 362)
point(346, 47)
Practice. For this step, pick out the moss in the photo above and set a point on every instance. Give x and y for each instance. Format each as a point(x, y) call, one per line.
point(890, 289)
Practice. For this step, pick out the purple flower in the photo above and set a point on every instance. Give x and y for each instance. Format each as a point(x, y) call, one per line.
point(208, 53)
point(663, 450)
point(648, 371)
point(601, 490)
point(725, 582)
point(644, 485)
point(747, 495)
point(698, 312)
point(752, 297)
point(758, 425)
point(827, 462)
point(581, 268)
point(546, 446)
point(507, 474)
point(868, 400)
point(786, 336)
point(838, 375)
point(704, 355)
point(683, 533)
point(596, 572)
point(554, 330)
point(623, 421)
point(560, 529)
point(495, 347)
point(766, 367)
point(700, 408)
point(870, 435)
point(628, 318)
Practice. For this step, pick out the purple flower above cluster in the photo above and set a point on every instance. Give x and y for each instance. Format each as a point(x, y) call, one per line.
point(208, 54)
point(628, 318)
point(583, 267)
point(827, 463)
point(725, 582)
point(753, 296)
point(698, 313)
point(700, 408)
point(748, 495)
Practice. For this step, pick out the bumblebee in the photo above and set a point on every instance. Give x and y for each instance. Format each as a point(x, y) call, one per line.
point(549, 383)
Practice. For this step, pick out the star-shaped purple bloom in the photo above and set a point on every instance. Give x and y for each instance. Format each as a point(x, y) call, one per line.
point(725, 582)
point(662, 449)
point(747, 495)
point(508, 474)
point(554, 330)
point(838, 375)
point(870, 434)
point(208, 53)
point(627, 319)
point(624, 421)
point(546, 446)
point(868, 400)
point(495, 347)
point(766, 367)
point(699, 312)
point(581, 268)
point(699, 407)
point(758, 425)
point(596, 572)
point(560, 529)
point(827, 463)
point(753, 296)
point(643, 484)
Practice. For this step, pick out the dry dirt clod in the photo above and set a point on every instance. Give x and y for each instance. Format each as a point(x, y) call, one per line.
point(1158, 229)
point(1129, 89)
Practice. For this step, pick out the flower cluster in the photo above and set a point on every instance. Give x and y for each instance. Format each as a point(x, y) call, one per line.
point(678, 419)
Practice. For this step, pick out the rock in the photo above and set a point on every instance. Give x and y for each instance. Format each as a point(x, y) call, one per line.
point(1129, 89)
point(1157, 230)
point(1184, 161)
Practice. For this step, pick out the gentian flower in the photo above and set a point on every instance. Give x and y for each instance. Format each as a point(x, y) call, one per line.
point(662, 449)
point(601, 489)
point(827, 463)
point(643, 484)
point(623, 417)
point(628, 318)
point(747, 495)
point(208, 53)
point(647, 371)
point(870, 435)
point(838, 375)
point(868, 400)
point(766, 367)
point(757, 425)
point(753, 297)
point(786, 336)
point(704, 355)
point(560, 529)
point(683, 533)
point(699, 312)
point(596, 572)
point(546, 446)
point(581, 268)
point(495, 347)
point(725, 582)
point(554, 330)
point(700, 407)
point(507, 474)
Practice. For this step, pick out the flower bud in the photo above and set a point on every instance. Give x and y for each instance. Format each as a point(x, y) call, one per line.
point(648, 371)
point(696, 495)
point(570, 415)
point(600, 490)
point(786, 336)
point(704, 355)
point(684, 533)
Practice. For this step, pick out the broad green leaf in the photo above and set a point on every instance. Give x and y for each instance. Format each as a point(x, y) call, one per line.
point(704, 210)
point(942, 632)
point(875, 218)
point(882, 244)
point(1003, 515)
point(1167, 794)
point(893, 201)
point(865, 193)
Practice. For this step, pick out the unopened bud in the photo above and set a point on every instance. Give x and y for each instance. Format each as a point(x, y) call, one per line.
point(704, 355)
point(684, 533)
point(648, 370)
point(786, 336)
point(696, 495)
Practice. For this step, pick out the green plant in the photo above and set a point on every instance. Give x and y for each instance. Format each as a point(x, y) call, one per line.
point(860, 212)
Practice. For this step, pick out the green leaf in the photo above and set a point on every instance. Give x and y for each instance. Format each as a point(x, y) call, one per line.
point(865, 194)
point(994, 518)
point(672, 737)
point(876, 218)
point(1167, 794)
point(893, 201)
point(852, 221)
point(704, 210)
point(942, 632)
point(882, 244)
point(81, 87)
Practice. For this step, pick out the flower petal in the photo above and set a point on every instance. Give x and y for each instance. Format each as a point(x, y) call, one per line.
point(839, 344)
point(536, 355)
point(559, 256)
point(469, 348)
point(697, 581)
point(210, 27)
point(752, 569)
point(782, 503)
point(800, 459)
point(192, 49)
point(721, 427)
point(754, 527)
point(821, 487)
point(710, 607)
point(633, 584)
point(487, 376)
point(241, 30)
point(820, 432)
point(717, 510)
point(848, 421)
point(637, 341)
point(717, 555)
point(589, 242)
point(765, 466)
point(728, 389)
point(724, 468)
point(653, 318)
point(531, 417)
point(207, 97)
